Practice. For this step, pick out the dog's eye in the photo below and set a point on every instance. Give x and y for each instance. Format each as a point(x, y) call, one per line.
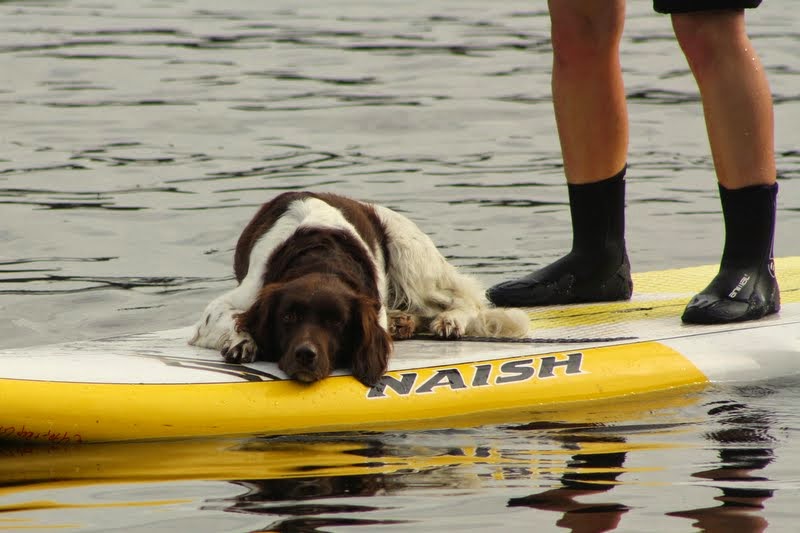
point(289, 318)
point(333, 320)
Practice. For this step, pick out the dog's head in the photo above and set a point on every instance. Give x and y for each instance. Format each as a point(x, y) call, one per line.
point(316, 323)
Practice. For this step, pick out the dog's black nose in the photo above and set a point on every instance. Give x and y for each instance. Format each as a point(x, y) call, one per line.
point(306, 355)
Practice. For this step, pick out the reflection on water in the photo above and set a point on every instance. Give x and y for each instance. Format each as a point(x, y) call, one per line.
point(587, 473)
point(745, 449)
point(579, 476)
point(138, 139)
point(307, 512)
point(743, 444)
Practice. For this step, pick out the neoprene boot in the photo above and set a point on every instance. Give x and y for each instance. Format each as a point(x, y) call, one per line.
point(596, 269)
point(745, 287)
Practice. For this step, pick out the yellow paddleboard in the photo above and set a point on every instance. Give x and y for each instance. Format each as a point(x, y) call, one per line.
point(156, 386)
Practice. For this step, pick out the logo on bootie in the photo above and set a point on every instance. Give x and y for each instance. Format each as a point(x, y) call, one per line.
point(740, 286)
point(771, 267)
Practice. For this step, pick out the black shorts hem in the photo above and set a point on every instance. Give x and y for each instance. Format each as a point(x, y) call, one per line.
point(689, 6)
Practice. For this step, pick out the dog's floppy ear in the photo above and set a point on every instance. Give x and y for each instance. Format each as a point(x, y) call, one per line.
point(372, 344)
point(259, 322)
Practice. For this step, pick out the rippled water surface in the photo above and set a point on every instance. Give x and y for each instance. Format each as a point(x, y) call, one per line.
point(138, 137)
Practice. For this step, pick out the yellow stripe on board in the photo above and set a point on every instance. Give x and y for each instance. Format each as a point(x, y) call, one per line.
point(69, 412)
point(605, 313)
point(694, 279)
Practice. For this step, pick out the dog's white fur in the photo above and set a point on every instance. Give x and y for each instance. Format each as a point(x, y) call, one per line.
point(418, 281)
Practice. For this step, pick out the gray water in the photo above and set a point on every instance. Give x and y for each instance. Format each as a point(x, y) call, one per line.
point(139, 137)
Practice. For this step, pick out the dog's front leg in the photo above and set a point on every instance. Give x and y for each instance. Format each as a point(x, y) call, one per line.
point(402, 325)
point(217, 329)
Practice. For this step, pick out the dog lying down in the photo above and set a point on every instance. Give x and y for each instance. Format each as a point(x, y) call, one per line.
point(327, 282)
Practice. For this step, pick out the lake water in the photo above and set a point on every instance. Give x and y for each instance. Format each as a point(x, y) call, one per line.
point(139, 137)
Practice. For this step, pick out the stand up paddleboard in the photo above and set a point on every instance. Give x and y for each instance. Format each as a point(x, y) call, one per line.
point(156, 386)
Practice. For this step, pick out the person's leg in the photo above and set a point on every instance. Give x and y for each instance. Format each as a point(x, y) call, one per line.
point(737, 105)
point(591, 115)
point(737, 102)
point(588, 91)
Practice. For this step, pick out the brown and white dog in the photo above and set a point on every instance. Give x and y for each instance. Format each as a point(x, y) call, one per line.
point(326, 282)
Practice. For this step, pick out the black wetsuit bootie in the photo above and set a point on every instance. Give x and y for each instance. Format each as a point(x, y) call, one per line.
point(745, 287)
point(596, 270)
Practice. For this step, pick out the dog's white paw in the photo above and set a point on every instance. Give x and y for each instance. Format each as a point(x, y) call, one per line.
point(239, 348)
point(204, 337)
point(448, 326)
point(195, 338)
point(499, 323)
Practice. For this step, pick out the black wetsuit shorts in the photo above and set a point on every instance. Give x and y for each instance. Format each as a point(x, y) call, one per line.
point(687, 6)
